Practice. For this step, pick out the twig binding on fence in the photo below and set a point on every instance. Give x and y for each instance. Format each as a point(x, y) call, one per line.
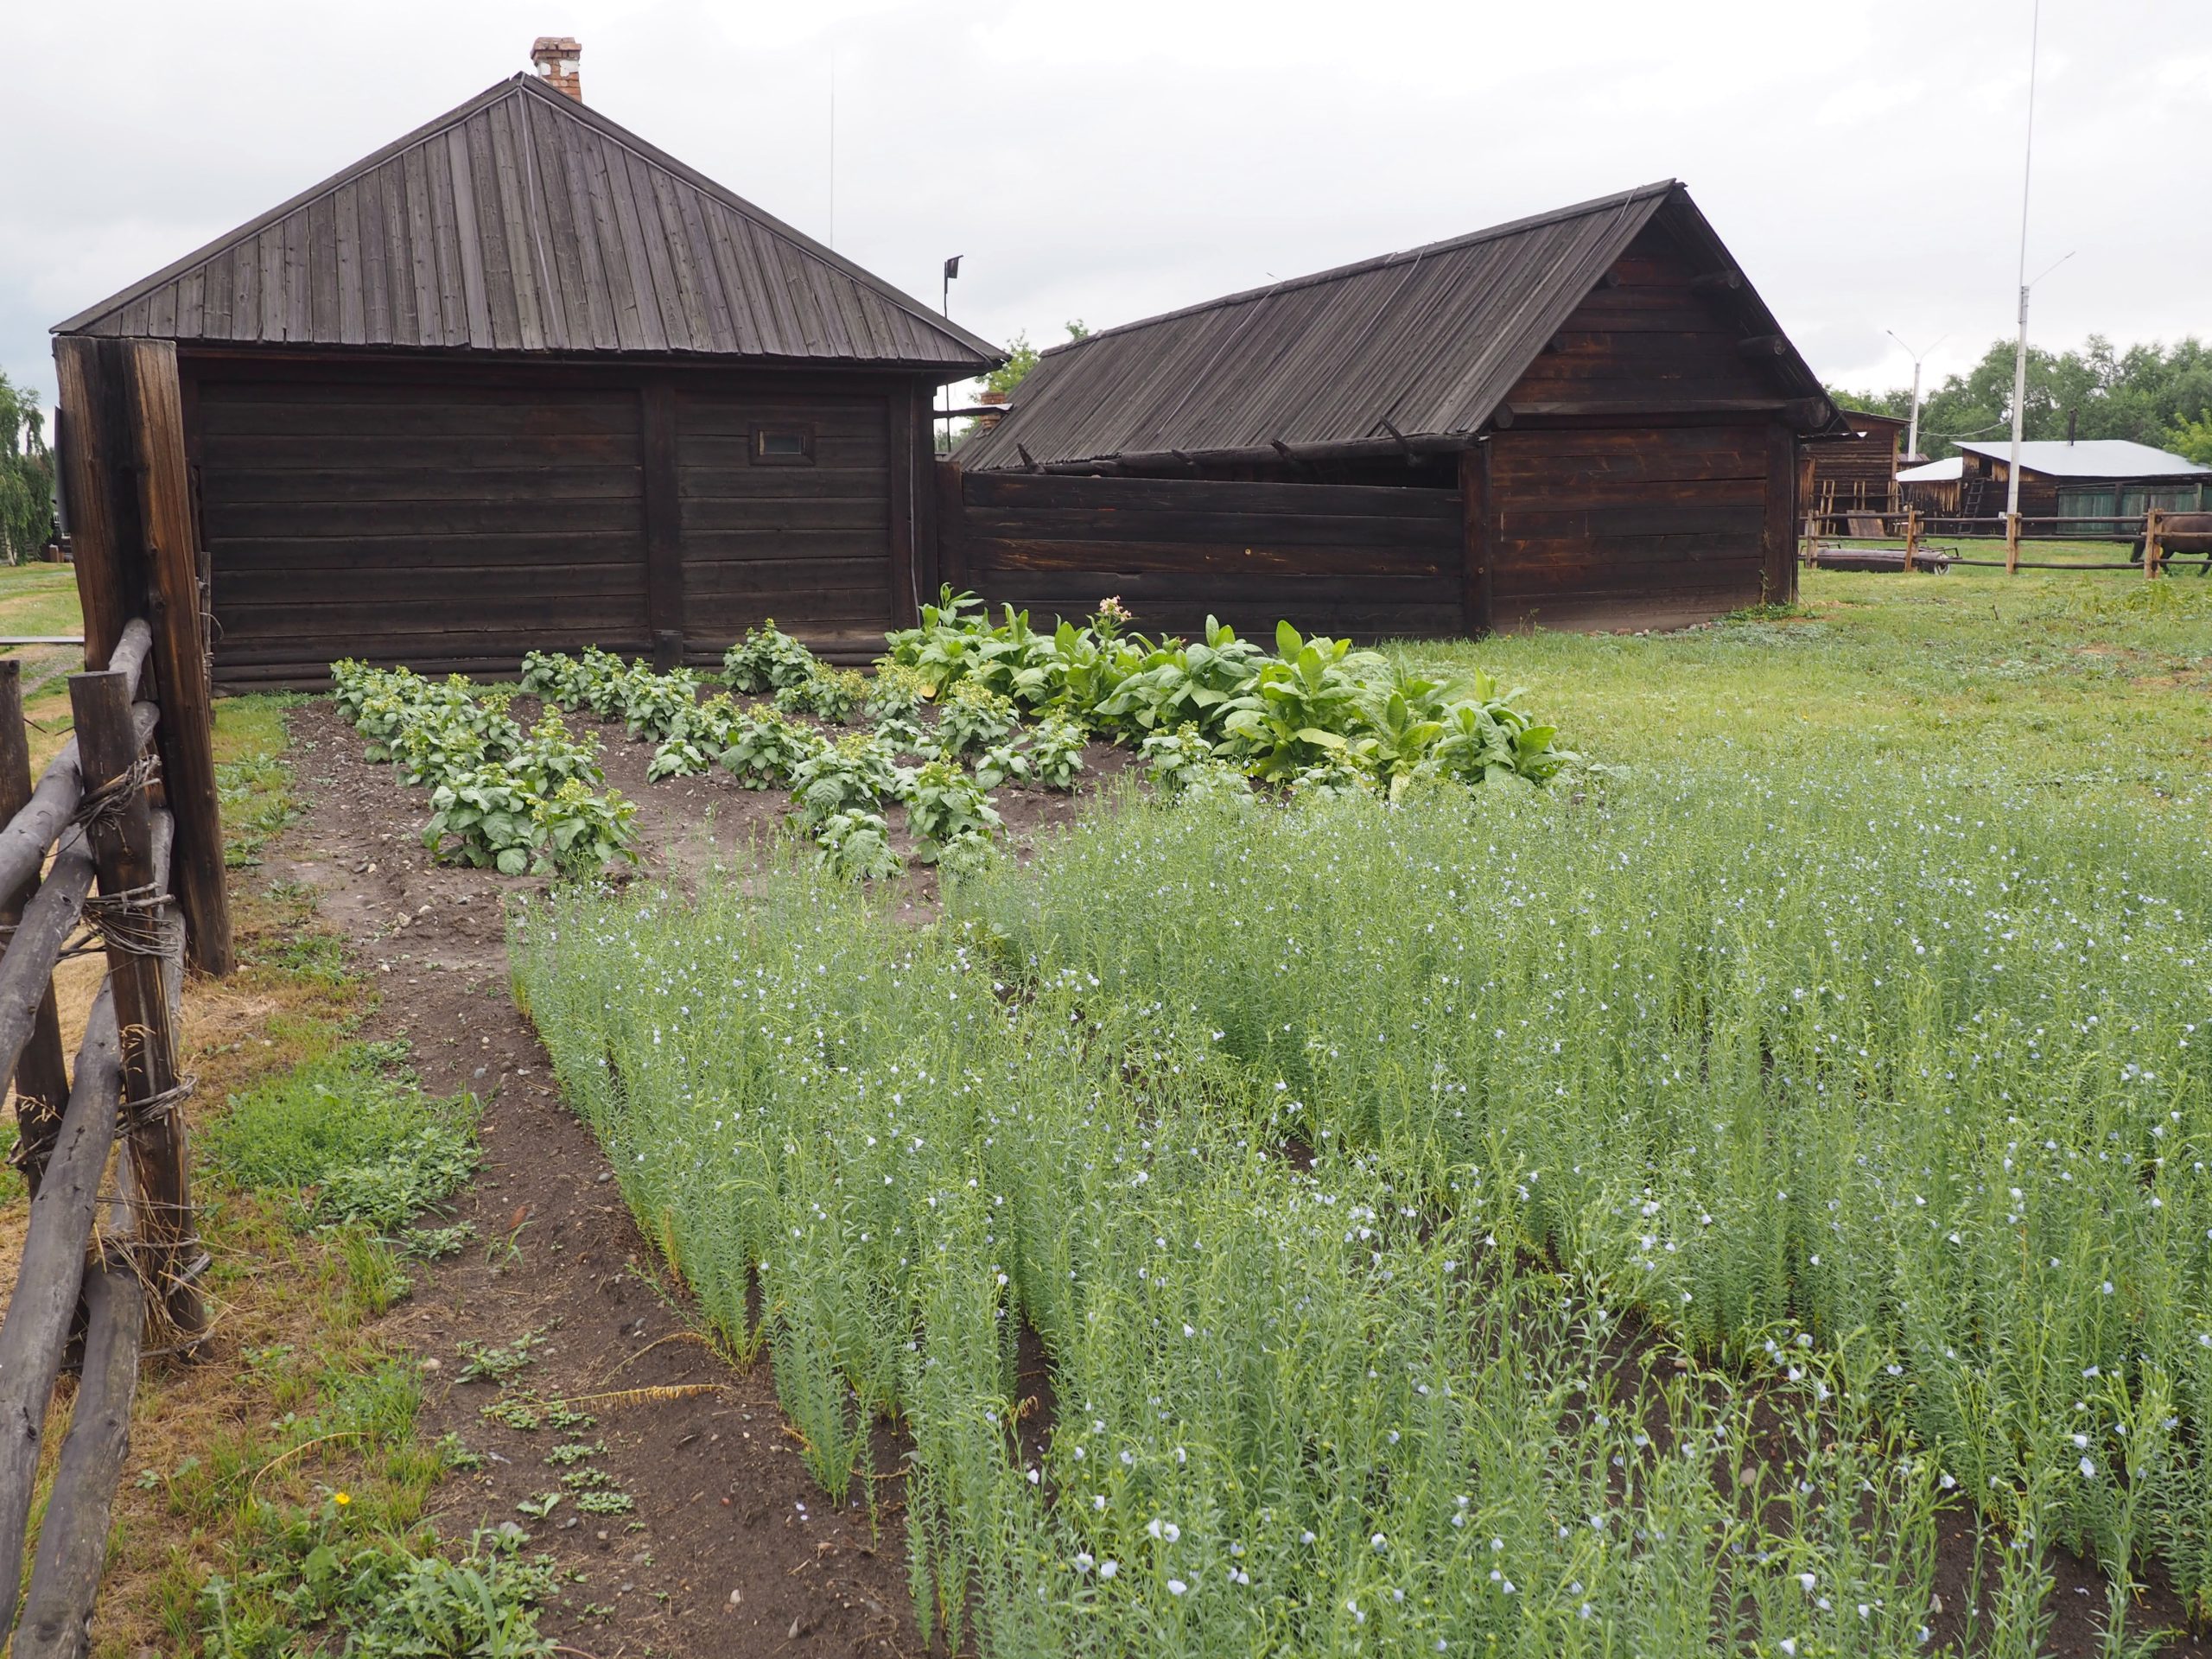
point(122, 828)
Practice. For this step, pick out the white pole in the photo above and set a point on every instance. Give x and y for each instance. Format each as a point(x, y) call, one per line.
point(2020, 352)
point(1912, 437)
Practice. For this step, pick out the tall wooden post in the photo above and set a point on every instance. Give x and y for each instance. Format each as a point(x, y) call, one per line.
point(186, 735)
point(98, 460)
point(2012, 544)
point(123, 836)
point(42, 1073)
point(1475, 543)
point(2154, 552)
point(1911, 539)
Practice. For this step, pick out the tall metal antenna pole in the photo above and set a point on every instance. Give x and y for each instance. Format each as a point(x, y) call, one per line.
point(2020, 352)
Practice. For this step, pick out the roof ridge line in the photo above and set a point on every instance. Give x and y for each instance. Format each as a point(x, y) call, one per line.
point(1378, 262)
point(283, 210)
point(653, 156)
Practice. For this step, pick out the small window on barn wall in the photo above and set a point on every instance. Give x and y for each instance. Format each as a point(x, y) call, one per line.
point(783, 445)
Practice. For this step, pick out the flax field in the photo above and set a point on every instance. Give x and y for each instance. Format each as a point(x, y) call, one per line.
point(1753, 1199)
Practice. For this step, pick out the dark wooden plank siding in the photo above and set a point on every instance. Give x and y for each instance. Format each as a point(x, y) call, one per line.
point(436, 524)
point(1635, 527)
point(810, 545)
point(1361, 559)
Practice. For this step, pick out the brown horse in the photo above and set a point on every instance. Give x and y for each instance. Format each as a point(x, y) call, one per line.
point(2181, 532)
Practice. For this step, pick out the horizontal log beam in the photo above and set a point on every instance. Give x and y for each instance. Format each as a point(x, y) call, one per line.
point(1763, 346)
point(27, 835)
point(72, 1539)
point(1716, 282)
point(27, 968)
point(46, 1284)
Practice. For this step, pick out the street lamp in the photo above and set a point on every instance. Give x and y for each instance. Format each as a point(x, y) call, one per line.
point(1912, 437)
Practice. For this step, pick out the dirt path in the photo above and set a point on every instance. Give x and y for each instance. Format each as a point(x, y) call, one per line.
point(731, 1548)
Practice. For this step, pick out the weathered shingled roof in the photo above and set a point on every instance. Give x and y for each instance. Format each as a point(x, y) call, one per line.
point(524, 221)
point(1428, 342)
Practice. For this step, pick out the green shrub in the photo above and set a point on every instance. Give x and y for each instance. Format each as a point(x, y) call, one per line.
point(897, 692)
point(677, 757)
point(1056, 753)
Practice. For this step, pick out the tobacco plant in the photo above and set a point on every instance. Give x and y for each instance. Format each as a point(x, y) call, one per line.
point(1056, 753)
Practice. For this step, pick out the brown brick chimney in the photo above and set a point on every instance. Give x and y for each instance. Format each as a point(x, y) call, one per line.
point(556, 56)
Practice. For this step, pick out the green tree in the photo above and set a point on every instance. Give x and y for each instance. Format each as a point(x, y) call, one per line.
point(26, 475)
point(2150, 393)
point(1021, 357)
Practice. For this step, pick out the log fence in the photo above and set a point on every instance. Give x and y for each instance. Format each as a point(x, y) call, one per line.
point(2150, 538)
point(114, 853)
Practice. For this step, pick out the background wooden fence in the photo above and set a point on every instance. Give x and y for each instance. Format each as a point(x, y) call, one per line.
point(2158, 540)
point(117, 851)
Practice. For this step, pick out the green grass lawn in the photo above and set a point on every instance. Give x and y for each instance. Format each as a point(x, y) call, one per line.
point(40, 600)
point(2078, 680)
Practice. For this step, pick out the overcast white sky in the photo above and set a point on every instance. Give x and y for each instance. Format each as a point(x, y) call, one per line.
point(1108, 160)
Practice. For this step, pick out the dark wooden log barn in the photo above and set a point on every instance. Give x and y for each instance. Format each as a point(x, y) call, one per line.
point(1587, 419)
point(522, 380)
point(1854, 471)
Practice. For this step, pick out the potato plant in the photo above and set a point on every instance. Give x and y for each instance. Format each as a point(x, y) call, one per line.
point(499, 799)
point(766, 660)
point(944, 803)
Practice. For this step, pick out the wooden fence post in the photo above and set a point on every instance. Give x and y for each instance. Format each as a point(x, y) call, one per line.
point(42, 1073)
point(2012, 544)
point(136, 919)
point(2153, 533)
point(1911, 538)
point(186, 735)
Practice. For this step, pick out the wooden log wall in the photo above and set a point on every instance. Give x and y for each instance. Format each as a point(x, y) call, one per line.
point(453, 517)
point(1365, 560)
point(1857, 473)
point(1639, 527)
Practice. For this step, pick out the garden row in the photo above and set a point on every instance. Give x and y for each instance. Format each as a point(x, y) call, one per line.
point(944, 724)
point(1895, 1146)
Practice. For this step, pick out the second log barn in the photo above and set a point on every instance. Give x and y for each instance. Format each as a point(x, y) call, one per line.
point(1587, 419)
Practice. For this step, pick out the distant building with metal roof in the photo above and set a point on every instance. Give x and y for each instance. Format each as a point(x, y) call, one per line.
point(2098, 481)
point(2101, 458)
